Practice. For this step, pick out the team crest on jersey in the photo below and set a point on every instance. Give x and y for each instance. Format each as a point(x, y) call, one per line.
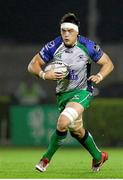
point(58, 55)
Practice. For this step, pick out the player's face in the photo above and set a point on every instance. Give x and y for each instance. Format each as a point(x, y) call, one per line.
point(69, 36)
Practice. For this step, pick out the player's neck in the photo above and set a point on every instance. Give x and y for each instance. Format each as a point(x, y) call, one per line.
point(71, 45)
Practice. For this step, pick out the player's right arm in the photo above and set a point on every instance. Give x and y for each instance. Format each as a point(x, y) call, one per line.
point(35, 67)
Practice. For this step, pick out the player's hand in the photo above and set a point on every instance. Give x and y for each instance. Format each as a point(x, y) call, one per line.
point(51, 75)
point(95, 78)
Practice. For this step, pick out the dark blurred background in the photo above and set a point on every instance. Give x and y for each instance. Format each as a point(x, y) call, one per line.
point(25, 26)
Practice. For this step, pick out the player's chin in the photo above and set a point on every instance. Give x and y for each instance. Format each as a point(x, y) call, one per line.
point(67, 43)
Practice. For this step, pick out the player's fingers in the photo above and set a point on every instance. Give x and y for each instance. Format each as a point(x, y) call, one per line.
point(58, 74)
point(60, 77)
point(94, 78)
point(97, 81)
point(91, 77)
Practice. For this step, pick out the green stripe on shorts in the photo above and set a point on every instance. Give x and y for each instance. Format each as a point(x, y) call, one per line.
point(80, 96)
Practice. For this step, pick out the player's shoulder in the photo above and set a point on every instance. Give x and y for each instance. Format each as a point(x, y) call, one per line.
point(58, 40)
point(93, 49)
point(54, 44)
point(48, 50)
point(85, 41)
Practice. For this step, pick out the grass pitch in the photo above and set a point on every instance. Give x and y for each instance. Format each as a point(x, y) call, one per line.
point(66, 163)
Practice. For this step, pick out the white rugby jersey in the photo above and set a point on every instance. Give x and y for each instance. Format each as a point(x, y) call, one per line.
point(78, 58)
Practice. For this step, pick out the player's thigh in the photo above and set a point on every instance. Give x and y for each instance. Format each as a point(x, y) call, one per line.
point(77, 107)
point(69, 115)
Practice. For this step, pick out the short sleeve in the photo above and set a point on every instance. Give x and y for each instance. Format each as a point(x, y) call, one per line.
point(49, 49)
point(93, 49)
point(46, 52)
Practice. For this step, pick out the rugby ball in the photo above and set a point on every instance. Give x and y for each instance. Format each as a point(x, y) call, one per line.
point(58, 67)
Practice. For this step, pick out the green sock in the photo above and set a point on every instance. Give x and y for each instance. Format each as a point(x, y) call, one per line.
point(55, 142)
point(88, 142)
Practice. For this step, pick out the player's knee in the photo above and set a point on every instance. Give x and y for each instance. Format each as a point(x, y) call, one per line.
point(67, 118)
point(71, 114)
point(78, 134)
point(63, 123)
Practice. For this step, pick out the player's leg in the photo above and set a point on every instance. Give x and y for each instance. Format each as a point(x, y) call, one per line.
point(86, 140)
point(56, 140)
point(82, 135)
point(58, 136)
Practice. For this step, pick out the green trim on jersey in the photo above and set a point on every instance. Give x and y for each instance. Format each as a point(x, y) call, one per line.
point(80, 96)
point(81, 46)
point(85, 50)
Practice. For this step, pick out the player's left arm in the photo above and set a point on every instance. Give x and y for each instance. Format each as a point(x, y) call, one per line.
point(106, 68)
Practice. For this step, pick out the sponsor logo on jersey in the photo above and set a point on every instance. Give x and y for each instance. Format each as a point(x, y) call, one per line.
point(42, 52)
point(68, 51)
point(50, 45)
point(76, 97)
point(72, 75)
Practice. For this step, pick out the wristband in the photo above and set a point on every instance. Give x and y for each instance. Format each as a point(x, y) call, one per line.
point(42, 74)
point(100, 75)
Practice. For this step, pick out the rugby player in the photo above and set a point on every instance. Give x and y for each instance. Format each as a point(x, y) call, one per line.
point(75, 91)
